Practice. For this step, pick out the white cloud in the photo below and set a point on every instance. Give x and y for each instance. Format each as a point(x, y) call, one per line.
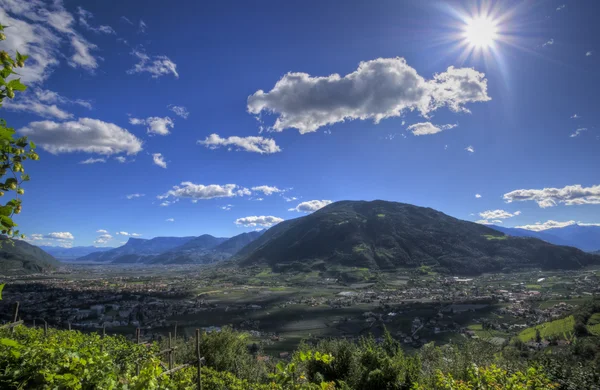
point(44, 103)
point(497, 214)
point(248, 144)
point(550, 197)
point(159, 160)
point(179, 111)
point(102, 231)
point(84, 135)
point(561, 7)
point(426, 128)
point(60, 236)
point(477, 196)
point(126, 20)
point(470, 149)
point(311, 206)
point(156, 125)
point(267, 190)
point(199, 191)
point(157, 66)
point(578, 131)
point(378, 89)
point(549, 42)
point(262, 220)
point(128, 234)
point(93, 161)
point(142, 26)
point(121, 159)
point(290, 199)
point(589, 53)
point(575, 116)
point(170, 220)
point(103, 239)
point(133, 196)
point(539, 226)
point(226, 207)
point(40, 29)
point(85, 16)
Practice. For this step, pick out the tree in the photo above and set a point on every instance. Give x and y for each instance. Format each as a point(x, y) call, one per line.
point(13, 152)
point(538, 336)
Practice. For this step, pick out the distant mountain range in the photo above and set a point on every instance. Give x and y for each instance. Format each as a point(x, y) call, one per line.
point(204, 249)
point(61, 253)
point(382, 235)
point(20, 257)
point(586, 238)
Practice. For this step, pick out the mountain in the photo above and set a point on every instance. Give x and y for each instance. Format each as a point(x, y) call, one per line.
point(586, 238)
point(20, 257)
point(206, 249)
point(61, 253)
point(382, 235)
point(139, 247)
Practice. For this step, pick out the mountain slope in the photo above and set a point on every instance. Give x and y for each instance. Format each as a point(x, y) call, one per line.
point(139, 247)
point(586, 238)
point(20, 257)
point(204, 250)
point(61, 253)
point(386, 235)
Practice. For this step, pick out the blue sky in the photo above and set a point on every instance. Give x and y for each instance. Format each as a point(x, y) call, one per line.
point(105, 77)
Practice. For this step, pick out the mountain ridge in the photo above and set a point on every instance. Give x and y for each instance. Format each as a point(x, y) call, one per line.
point(586, 238)
point(20, 257)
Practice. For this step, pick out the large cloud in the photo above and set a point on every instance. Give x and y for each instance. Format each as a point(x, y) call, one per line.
point(156, 125)
point(378, 89)
point(426, 128)
point(199, 191)
point(310, 206)
point(39, 29)
point(263, 220)
point(248, 144)
point(550, 197)
point(84, 135)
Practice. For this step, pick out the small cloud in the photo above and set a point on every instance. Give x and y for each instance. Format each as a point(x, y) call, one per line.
point(170, 220)
point(126, 20)
point(159, 160)
point(589, 53)
point(290, 199)
point(155, 125)
point(128, 234)
point(549, 42)
point(179, 111)
point(470, 149)
point(267, 190)
point(311, 206)
point(133, 196)
point(561, 7)
point(60, 236)
point(226, 207)
point(263, 220)
point(142, 27)
point(477, 196)
point(575, 116)
point(578, 131)
point(102, 231)
point(103, 239)
point(428, 128)
point(93, 161)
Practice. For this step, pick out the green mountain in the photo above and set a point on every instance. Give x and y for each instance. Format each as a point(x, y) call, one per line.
point(20, 257)
point(382, 235)
point(205, 249)
point(138, 247)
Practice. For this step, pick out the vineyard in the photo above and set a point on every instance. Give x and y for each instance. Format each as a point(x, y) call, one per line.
point(33, 358)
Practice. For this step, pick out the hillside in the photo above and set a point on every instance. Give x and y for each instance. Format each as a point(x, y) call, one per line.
point(205, 249)
point(382, 235)
point(61, 253)
point(20, 257)
point(138, 246)
point(586, 238)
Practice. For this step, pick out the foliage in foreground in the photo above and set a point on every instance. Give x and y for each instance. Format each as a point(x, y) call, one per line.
point(73, 360)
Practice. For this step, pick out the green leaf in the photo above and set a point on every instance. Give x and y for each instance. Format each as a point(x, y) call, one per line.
point(6, 210)
point(9, 343)
point(1, 288)
point(17, 85)
point(31, 145)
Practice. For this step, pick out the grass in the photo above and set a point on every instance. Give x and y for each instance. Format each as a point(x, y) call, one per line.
point(489, 237)
point(381, 215)
point(558, 328)
point(533, 286)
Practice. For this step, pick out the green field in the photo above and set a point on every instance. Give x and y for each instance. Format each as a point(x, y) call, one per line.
point(559, 328)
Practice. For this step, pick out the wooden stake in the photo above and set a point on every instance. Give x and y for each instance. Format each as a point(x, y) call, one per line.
point(170, 355)
point(199, 359)
point(174, 341)
point(16, 312)
point(69, 325)
point(45, 328)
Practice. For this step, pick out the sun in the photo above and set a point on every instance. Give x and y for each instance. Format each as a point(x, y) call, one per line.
point(480, 32)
